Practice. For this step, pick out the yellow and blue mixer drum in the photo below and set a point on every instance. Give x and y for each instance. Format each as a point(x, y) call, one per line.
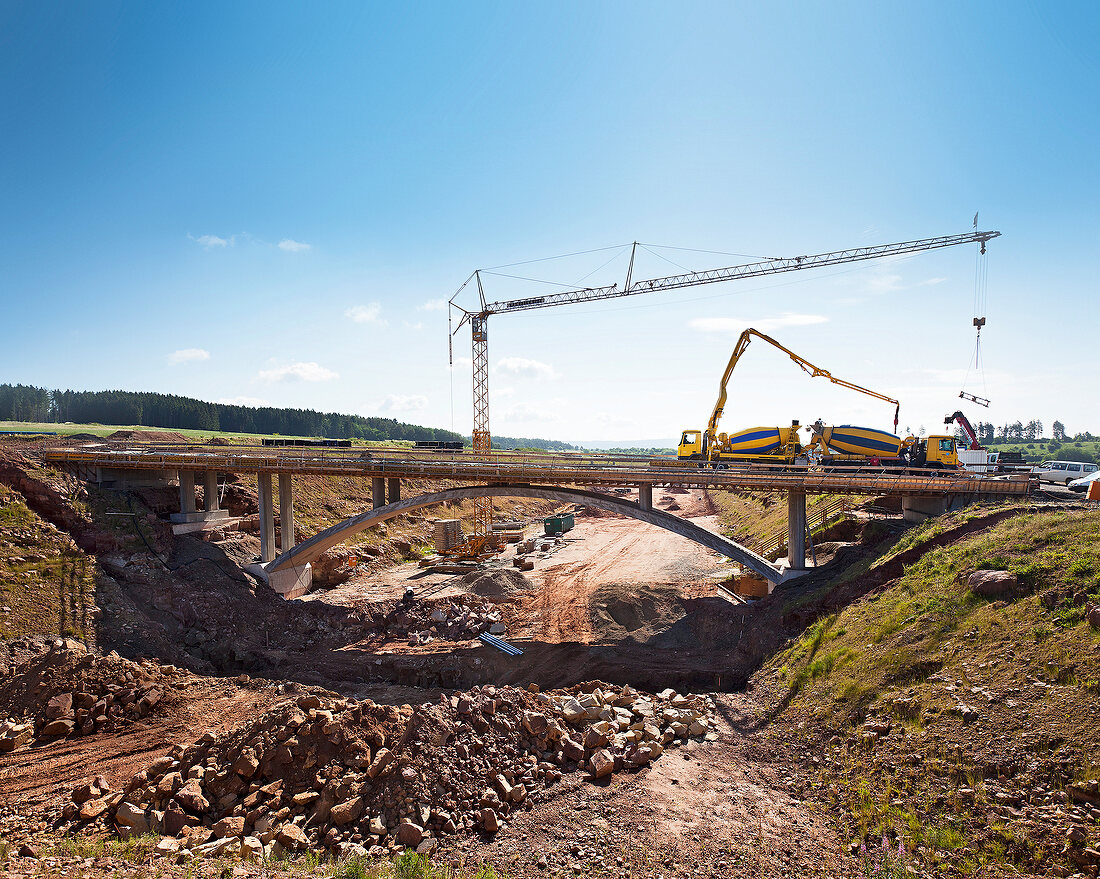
point(867, 441)
point(754, 441)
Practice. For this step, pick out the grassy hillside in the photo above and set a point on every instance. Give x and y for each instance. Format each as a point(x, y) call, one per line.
point(1043, 450)
point(961, 728)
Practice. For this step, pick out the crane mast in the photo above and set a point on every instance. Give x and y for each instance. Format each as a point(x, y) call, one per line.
point(478, 319)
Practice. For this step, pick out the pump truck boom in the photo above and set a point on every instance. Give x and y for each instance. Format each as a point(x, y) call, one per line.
point(711, 445)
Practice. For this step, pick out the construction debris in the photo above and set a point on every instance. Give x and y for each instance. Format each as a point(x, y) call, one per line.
point(351, 776)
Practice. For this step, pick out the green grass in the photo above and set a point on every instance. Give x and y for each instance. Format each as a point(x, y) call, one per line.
point(876, 657)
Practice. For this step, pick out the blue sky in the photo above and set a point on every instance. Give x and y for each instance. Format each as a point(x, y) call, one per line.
point(266, 202)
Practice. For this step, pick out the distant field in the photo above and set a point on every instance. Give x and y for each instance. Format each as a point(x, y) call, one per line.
point(199, 435)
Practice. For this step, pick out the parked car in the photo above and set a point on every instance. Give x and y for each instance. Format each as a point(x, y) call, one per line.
point(1063, 472)
point(1082, 484)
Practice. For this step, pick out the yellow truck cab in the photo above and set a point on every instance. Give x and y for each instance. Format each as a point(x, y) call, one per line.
point(934, 452)
point(942, 451)
point(691, 445)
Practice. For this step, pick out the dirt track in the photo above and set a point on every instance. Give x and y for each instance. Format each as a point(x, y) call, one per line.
point(605, 552)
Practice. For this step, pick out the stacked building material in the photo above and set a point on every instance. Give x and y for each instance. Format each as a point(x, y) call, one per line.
point(447, 535)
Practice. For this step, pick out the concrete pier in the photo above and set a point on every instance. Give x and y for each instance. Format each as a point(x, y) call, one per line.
point(187, 492)
point(645, 497)
point(210, 491)
point(796, 530)
point(286, 512)
point(394, 493)
point(378, 492)
point(267, 517)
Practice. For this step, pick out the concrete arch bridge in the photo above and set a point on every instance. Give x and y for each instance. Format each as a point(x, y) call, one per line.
point(288, 571)
point(500, 474)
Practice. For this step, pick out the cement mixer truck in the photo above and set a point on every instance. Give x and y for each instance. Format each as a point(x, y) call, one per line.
point(845, 445)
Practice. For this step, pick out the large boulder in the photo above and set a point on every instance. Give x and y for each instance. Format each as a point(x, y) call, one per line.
point(131, 819)
point(993, 584)
point(601, 764)
point(409, 834)
point(291, 837)
point(60, 705)
point(347, 811)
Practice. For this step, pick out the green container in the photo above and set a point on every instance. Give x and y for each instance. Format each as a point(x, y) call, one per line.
point(567, 521)
point(553, 525)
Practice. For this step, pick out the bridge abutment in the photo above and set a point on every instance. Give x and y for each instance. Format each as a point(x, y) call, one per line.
point(917, 509)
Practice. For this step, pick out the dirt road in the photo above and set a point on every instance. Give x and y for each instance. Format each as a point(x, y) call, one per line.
point(608, 551)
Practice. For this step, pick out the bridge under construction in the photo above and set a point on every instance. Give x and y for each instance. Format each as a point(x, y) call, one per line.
point(567, 477)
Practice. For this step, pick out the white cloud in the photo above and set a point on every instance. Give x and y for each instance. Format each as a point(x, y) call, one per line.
point(461, 363)
point(292, 246)
point(433, 305)
point(188, 355)
point(209, 241)
point(243, 401)
point(526, 413)
point(881, 280)
point(371, 313)
point(521, 366)
point(307, 372)
point(884, 283)
point(764, 324)
point(419, 325)
point(402, 403)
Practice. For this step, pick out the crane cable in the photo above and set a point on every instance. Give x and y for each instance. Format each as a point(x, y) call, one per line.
point(981, 290)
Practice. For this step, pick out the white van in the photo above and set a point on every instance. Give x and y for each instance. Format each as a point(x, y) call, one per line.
point(1063, 472)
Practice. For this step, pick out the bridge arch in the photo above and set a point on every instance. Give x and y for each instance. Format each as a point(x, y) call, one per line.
point(308, 550)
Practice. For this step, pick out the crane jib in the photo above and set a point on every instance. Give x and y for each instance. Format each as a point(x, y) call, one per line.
point(733, 273)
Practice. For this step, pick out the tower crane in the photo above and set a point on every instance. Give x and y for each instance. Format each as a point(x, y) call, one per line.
point(478, 319)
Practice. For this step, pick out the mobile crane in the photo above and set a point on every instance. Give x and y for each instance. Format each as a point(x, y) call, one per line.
point(977, 457)
point(709, 445)
point(968, 429)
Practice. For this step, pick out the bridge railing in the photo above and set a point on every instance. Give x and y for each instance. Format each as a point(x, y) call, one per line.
point(526, 467)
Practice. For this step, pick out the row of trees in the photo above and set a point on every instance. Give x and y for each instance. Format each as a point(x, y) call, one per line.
point(1032, 431)
point(26, 403)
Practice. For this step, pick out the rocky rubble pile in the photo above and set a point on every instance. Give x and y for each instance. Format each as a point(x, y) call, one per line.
point(457, 622)
point(355, 777)
point(68, 691)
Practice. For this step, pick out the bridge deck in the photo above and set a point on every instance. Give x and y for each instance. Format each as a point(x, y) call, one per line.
point(515, 468)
